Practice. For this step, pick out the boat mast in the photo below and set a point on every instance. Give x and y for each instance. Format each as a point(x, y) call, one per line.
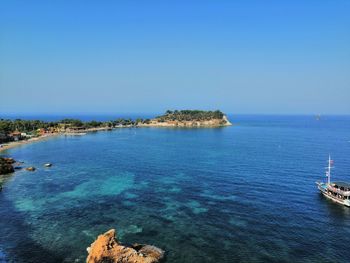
point(328, 172)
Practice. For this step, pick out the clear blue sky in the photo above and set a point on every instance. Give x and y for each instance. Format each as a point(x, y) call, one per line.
point(147, 56)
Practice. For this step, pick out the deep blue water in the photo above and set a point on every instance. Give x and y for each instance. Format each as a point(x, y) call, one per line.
point(244, 193)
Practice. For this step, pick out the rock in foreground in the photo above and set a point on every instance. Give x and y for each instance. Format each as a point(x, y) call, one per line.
point(107, 249)
point(6, 165)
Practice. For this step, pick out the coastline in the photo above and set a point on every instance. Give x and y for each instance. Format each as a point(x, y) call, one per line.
point(14, 144)
point(47, 136)
point(11, 145)
point(212, 123)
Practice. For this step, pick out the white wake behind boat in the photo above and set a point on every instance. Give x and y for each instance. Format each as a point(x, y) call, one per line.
point(336, 191)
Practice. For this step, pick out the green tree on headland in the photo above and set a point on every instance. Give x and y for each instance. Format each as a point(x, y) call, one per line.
point(190, 115)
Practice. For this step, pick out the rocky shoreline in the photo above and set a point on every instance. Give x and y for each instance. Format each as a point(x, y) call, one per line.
point(107, 249)
point(212, 123)
point(6, 169)
point(6, 165)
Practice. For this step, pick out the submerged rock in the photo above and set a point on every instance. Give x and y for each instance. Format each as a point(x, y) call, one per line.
point(31, 169)
point(106, 248)
point(6, 166)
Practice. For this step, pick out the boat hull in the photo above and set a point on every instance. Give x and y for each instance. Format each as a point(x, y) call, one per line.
point(322, 188)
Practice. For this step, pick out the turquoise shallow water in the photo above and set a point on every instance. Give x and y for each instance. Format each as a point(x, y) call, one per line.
point(244, 193)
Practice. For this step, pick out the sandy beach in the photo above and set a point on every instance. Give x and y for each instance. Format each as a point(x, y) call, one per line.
point(11, 145)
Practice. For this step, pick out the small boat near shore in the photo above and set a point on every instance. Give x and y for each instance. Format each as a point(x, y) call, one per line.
point(75, 133)
point(336, 191)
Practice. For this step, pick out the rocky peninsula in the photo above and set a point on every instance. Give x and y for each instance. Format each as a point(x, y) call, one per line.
point(189, 118)
point(106, 248)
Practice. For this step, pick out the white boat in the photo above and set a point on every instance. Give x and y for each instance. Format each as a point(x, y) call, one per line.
point(336, 191)
point(75, 133)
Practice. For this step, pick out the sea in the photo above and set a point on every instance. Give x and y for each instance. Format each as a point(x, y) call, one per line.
point(243, 193)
